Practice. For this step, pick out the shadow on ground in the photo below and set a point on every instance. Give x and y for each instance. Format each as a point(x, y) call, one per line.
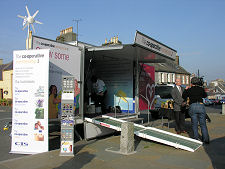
point(216, 152)
point(80, 158)
point(78, 161)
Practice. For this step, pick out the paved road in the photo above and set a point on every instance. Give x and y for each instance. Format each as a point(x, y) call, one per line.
point(93, 155)
point(214, 109)
point(5, 139)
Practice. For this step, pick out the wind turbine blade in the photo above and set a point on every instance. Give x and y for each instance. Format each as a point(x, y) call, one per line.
point(38, 22)
point(28, 13)
point(33, 27)
point(25, 26)
point(23, 17)
point(35, 13)
point(24, 22)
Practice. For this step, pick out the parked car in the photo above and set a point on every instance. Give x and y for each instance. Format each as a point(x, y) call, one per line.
point(207, 102)
point(215, 101)
point(222, 101)
point(162, 94)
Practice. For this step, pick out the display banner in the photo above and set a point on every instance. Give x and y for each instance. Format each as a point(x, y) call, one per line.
point(146, 87)
point(64, 59)
point(30, 101)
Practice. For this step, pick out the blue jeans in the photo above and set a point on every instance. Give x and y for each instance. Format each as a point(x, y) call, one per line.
point(198, 114)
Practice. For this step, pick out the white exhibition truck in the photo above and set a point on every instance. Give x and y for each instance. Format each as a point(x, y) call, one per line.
point(124, 69)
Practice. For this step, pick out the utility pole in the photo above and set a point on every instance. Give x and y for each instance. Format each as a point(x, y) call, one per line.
point(77, 21)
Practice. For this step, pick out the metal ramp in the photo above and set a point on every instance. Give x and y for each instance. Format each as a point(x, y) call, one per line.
point(150, 133)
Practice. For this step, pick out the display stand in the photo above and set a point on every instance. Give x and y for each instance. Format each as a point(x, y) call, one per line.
point(67, 117)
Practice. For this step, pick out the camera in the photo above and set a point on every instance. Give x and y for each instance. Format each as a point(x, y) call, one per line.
point(201, 82)
point(197, 81)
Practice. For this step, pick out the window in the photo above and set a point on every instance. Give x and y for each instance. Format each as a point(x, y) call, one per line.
point(163, 91)
point(168, 77)
point(187, 79)
point(173, 78)
point(183, 80)
point(162, 77)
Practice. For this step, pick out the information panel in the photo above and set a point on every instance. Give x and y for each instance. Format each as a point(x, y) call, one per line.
point(30, 101)
point(64, 59)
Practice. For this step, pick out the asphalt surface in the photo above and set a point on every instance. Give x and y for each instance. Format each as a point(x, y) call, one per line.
point(5, 139)
point(93, 154)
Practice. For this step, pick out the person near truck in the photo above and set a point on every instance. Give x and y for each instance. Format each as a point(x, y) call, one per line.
point(197, 110)
point(53, 101)
point(179, 112)
point(99, 92)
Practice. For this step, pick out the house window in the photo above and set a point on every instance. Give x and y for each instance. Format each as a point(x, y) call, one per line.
point(159, 78)
point(187, 79)
point(1, 93)
point(162, 77)
point(183, 80)
point(168, 77)
point(173, 78)
point(177, 76)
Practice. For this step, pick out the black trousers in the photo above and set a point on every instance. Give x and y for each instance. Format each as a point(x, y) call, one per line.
point(99, 100)
point(179, 121)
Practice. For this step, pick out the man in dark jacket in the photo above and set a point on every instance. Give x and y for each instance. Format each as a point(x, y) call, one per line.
point(179, 113)
point(197, 109)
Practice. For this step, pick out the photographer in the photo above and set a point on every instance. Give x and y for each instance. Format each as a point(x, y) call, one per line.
point(201, 83)
point(197, 111)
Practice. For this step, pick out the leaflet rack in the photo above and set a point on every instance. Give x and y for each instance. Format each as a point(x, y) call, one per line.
point(67, 117)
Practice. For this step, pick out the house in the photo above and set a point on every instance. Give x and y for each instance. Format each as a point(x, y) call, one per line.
point(6, 79)
point(166, 72)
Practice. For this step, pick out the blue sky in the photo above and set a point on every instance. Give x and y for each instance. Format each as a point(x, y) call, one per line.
point(195, 28)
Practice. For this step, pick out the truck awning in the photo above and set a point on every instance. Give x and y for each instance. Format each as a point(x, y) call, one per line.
point(127, 51)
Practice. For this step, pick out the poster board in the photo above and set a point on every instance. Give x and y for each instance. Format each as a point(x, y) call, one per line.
point(65, 60)
point(30, 101)
point(147, 87)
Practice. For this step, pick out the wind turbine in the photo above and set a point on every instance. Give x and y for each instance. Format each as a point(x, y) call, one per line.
point(27, 21)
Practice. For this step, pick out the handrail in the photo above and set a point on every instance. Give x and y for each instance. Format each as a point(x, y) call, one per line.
point(148, 105)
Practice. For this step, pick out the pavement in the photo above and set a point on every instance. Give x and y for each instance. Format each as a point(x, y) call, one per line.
point(93, 154)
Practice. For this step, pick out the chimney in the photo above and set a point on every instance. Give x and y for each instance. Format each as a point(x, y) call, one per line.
point(66, 35)
point(1, 61)
point(177, 60)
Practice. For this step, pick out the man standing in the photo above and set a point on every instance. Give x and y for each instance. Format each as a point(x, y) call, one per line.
point(179, 113)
